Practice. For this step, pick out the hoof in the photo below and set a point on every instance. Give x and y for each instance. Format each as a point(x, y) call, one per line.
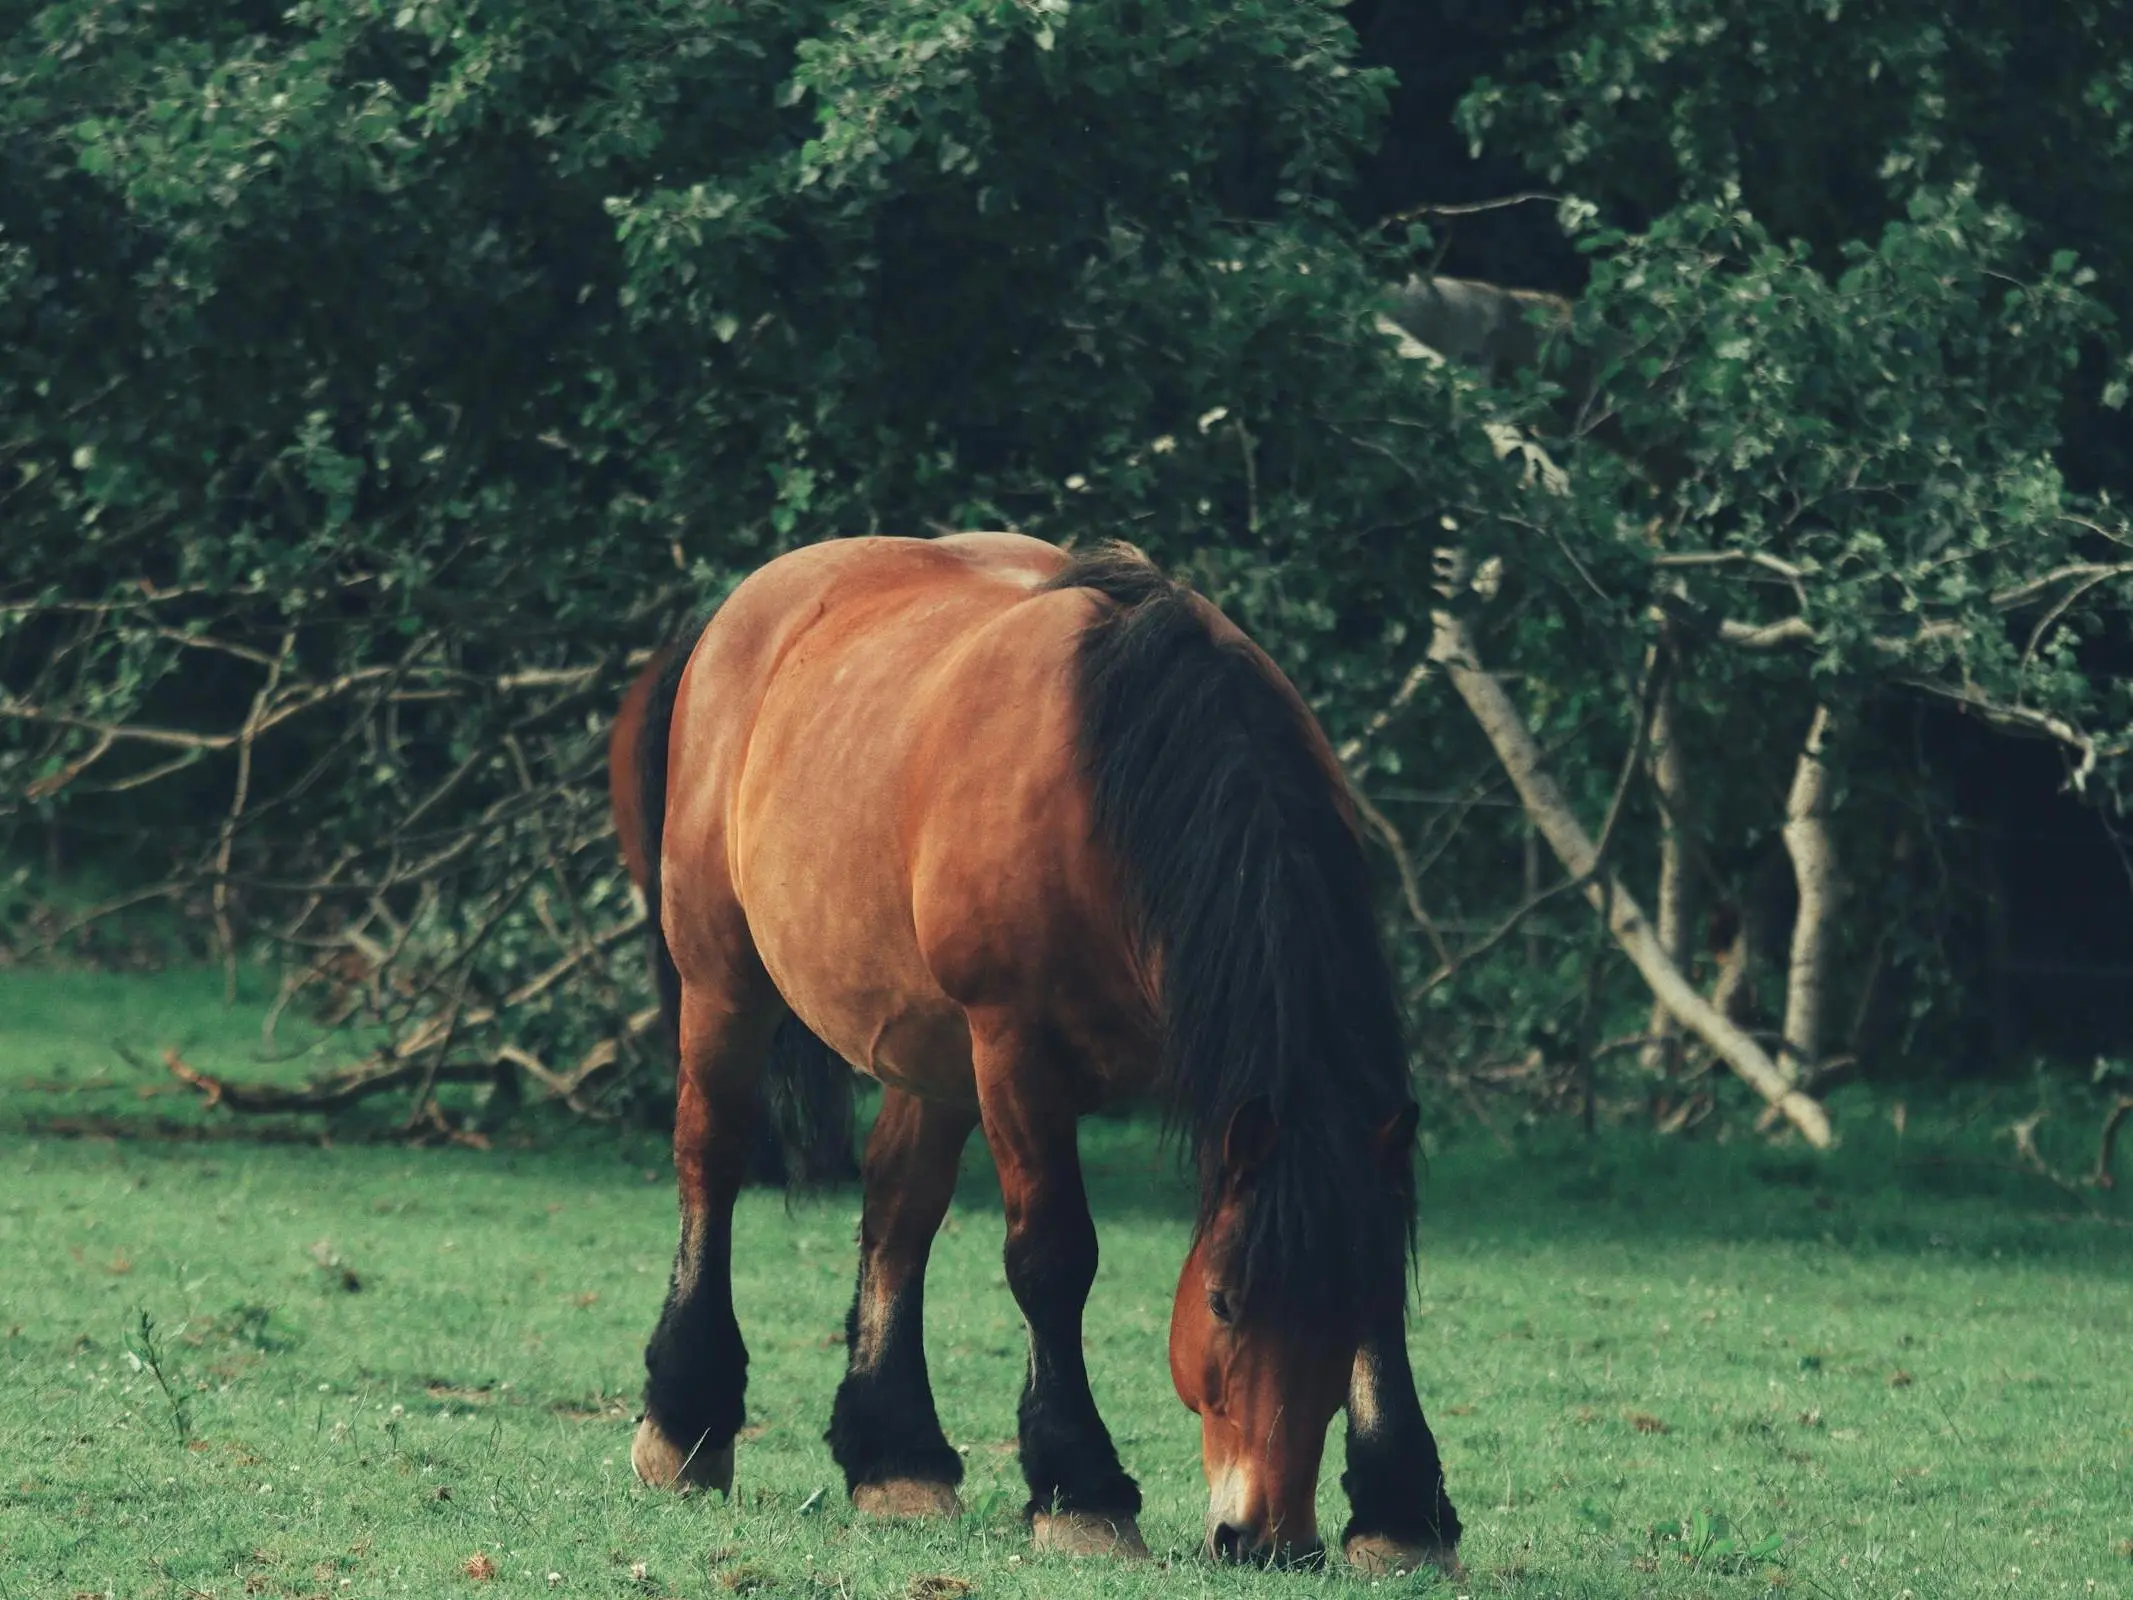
point(907, 1497)
point(1087, 1533)
point(661, 1466)
point(1381, 1557)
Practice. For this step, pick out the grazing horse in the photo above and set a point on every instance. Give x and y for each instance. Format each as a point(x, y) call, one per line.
point(803, 1126)
point(1020, 833)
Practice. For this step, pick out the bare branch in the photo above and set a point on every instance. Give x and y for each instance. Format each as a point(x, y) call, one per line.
point(1410, 884)
point(44, 788)
point(549, 678)
point(1767, 636)
point(2086, 573)
point(1497, 935)
point(1729, 558)
point(2021, 719)
point(1381, 719)
point(245, 737)
point(374, 1076)
point(1472, 208)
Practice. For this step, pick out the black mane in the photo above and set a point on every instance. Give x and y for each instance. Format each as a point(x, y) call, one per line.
point(1249, 885)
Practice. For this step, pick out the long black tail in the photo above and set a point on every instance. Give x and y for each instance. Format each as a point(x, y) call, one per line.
point(805, 1114)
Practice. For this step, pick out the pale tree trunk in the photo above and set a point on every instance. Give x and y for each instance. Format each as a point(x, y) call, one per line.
point(1514, 744)
point(1814, 870)
point(1662, 1048)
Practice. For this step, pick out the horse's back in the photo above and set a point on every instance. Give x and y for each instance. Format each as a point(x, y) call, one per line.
point(877, 747)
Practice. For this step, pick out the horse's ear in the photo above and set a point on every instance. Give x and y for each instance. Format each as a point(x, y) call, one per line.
point(1249, 1143)
point(1396, 1139)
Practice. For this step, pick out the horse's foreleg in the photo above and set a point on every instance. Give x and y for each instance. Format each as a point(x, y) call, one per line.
point(1400, 1516)
point(883, 1429)
point(696, 1363)
point(1081, 1499)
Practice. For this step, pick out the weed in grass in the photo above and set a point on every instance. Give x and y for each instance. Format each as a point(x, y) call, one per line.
point(146, 1353)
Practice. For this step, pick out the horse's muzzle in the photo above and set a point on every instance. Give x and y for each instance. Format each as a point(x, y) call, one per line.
point(1227, 1542)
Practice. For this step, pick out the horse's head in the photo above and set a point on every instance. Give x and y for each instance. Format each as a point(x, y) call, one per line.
point(1265, 1377)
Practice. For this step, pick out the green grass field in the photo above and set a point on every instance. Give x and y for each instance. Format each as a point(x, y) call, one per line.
point(1656, 1368)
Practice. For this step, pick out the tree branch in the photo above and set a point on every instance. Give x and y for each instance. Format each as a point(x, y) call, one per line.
point(1381, 719)
point(1410, 883)
point(1515, 747)
point(374, 1076)
point(2021, 719)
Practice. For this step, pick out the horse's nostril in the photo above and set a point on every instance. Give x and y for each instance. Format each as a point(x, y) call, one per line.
point(1229, 1543)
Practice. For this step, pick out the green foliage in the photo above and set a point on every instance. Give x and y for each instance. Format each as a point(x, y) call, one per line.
point(1829, 428)
point(1828, 116)
point(376, 369)
point(383, 380)
point(1858, 304)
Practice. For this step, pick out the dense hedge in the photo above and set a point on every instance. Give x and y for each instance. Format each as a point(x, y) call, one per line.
point(381, 378)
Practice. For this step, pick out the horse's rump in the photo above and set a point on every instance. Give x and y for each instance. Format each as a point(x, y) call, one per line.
point(804, 1132)
point(876, 763)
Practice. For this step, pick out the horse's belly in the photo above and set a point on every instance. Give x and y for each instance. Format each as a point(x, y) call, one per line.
point(872, 1003)
point(926, 1051)
point(923, 1050)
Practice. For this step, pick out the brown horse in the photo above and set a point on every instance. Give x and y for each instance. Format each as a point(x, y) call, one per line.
point(1019, 834)
point(805, 1112)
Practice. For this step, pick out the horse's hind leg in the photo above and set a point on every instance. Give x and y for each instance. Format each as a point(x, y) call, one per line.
point(1081, 1500)
point(696, 1362)
point(883, 1429)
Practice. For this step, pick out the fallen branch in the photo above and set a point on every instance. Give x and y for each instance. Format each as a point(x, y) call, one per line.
point(384, 1072)
point(377, 1075)
point(2032, 1159)
point(1730, 558)
point(1471, 208)
point(564, 1086)
point(2100, 1176)
point(1550, 810)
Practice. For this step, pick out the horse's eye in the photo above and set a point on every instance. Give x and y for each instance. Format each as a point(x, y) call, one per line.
point(1218, 1303)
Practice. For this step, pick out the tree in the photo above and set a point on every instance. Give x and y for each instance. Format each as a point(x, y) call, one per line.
point(383, 384)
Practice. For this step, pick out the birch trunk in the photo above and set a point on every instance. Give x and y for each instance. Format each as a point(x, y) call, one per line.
point(1662, 1048)
point(1814, 870)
